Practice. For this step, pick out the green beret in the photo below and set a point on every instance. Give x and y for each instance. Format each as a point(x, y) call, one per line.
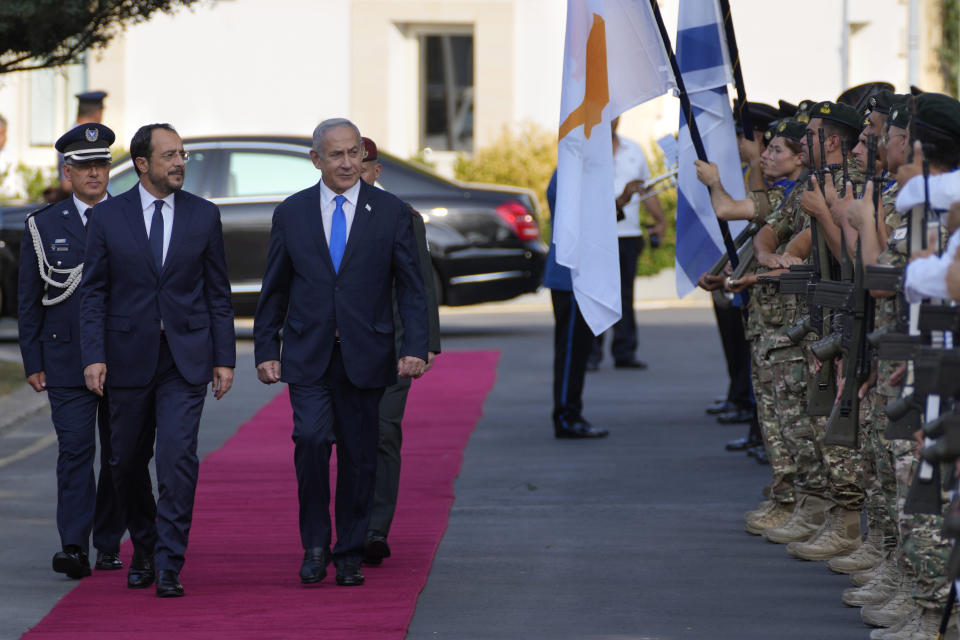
point(787, 110)
point(791, 128)
point(884, 101)
point(939, 113)
point(899, 114)
point(803, 110)
point(842, 114)
point(761, 115)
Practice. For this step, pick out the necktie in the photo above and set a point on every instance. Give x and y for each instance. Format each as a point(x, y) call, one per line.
point(156, 234)
point(88, 214)
point(338, 233)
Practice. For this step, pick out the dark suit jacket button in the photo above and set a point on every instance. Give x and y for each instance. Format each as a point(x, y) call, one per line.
point(54, 336)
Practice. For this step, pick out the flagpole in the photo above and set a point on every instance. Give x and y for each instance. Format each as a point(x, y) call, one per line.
point(687, 110)
point(741, 111)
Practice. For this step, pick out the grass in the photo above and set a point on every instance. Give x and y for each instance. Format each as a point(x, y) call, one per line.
point(11, 377)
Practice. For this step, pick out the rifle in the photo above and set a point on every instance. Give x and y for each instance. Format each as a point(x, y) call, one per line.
point(742, 241)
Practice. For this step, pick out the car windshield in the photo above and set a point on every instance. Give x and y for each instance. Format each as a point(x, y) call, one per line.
point(126, 177)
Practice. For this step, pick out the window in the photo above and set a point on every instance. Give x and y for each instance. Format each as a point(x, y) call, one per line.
point(253, 173)
point(193, 180)
point(446, 104)
point(43, 108)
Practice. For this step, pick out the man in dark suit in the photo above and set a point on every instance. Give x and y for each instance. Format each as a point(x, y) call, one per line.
point(338, 252)
point(394, 400)
point(51, 263)
point(156, 325)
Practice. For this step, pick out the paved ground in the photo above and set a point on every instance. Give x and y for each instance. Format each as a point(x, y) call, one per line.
point(638, 536)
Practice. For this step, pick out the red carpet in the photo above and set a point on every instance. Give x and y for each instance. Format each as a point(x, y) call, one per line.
point(244, 553)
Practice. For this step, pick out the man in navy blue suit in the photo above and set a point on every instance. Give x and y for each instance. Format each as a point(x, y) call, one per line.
point(51, 262)
point(336, 251)
point(156, 326)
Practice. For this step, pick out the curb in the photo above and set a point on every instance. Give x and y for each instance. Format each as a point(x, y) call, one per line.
point(19, 405)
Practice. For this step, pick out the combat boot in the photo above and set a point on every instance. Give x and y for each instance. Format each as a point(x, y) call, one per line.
point(807, 517)
point(761, 510)
point(880, 589)
point(897, 608)
point(882, 634)
point(772, 519)
point(861, 578)
point(925, 625)
point(867, 556)
point(840, 537)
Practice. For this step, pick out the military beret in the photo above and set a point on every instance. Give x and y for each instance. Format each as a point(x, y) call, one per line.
point(803, 110)
point(858, 96)
point(939, 113)
point(899, 115)
point(791, 128)
point(85, 143)
point(761, 115)
point(842, 114)
point(369, 149)
point(787, 110)
point(91, 96)
point(884, 100)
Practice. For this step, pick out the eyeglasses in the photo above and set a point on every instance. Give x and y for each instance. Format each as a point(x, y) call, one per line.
point(169, 155)
point(885, 139)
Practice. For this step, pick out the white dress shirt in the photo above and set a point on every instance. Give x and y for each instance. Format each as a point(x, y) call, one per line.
point(328, 204)
point(629, 164)
point(146, 202)
point(83, 206)
point(927, 277)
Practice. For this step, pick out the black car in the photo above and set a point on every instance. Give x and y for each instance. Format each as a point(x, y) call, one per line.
point(484, 240)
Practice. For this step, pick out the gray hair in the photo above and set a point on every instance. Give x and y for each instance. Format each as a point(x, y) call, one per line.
point(332, 123)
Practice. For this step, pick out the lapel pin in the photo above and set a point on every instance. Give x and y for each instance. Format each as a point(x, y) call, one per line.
point(65, 212)
point(367, 207)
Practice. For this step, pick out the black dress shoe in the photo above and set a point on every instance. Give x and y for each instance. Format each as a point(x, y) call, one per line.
point(630, 364)
point(314, 566)
point(141, 574)
point(108, 561)
point(72, 561)
point(578, 428)
point(721, 407)
point(741, 444)
point(375, 549)
point(736, 416)
point(168, 584)
point(348, 574)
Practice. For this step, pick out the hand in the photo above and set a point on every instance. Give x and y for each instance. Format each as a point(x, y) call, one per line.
point(708, 282)
point(94, 375)
point(812, 201)
point(268, 371)
point(869, 382)
point(749, 150)
point(896, 378)
point(38, 381)
point(222, 381)
point(707, 172)
point(410, 367)
point(657, 230)
point(431, 356)
point(787, 259)
point(861, 212)
point(736, 286)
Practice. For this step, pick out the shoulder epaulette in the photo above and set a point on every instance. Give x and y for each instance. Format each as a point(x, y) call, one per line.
point(41, 209)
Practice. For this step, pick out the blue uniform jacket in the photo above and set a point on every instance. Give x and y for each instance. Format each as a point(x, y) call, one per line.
point(50, 335)
point(123, 297)
point(303, 294)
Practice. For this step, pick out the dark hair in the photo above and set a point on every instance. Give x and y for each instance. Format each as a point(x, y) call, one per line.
point(938, 147)
point(86, 108)
point(141, 144)
point(846, 134)
point(793, 145)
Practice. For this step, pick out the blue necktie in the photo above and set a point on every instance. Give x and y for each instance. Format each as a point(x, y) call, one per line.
point(156, 234)
point(338, 233)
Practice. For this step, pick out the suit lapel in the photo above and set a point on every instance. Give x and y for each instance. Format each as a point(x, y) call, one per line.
point(362, 216)
point(314, 222)
point(133, 212)
point(181, 223)
point(73, 224)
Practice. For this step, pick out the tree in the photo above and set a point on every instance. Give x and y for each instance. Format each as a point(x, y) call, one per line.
point(35, 34)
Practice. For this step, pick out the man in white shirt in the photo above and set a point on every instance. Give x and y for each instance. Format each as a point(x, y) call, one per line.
point(630, 170)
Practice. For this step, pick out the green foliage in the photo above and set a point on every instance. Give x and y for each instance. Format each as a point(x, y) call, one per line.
point(525, 158)
point(33, 181)
point(949, 50)
point(653, 261)
point(422, 158)
point(48, 33)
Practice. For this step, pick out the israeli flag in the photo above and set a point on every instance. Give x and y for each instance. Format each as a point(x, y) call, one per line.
point(705, 67)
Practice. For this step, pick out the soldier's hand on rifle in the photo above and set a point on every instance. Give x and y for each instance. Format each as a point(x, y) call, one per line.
point(709, 282)
point(869, 382)
point(785, 260)
point(707, 172)
point(909, 170)
point(736, 286)
point(749, 150)
point(896, 378)
point(860, 212)
point(812, 201)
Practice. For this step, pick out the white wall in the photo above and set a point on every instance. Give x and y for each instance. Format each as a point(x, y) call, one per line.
point(538, 44)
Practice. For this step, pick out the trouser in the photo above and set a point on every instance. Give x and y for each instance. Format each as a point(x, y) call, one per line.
point(572, 340)
point(736, 352)
point(84, 504)
point(624, 347)
point(166, 410)
point(335, 411)
point(392, 405)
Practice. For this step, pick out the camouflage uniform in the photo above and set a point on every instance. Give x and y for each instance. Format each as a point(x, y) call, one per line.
point(762, 323)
